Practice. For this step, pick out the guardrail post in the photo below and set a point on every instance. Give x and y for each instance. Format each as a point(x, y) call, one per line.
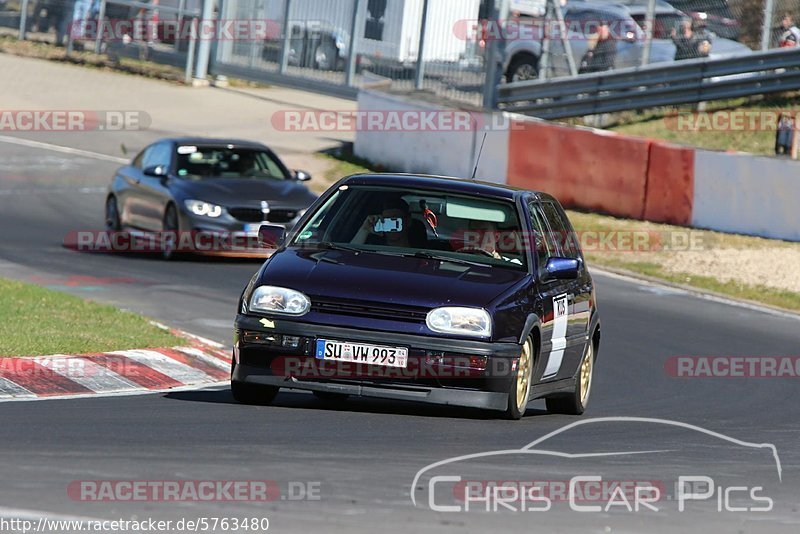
point(352, 52)
point(766, 31)
point(650, 20)
point(98, 42)
point(23, 20)
point(204, 49)
point(419, 77)
point(287, 37)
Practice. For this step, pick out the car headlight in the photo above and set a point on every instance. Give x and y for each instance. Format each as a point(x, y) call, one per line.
point(464, 321)
point(272, 299)
point(204, 209)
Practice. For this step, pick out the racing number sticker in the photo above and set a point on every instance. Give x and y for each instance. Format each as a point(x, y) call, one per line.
point(559, 337)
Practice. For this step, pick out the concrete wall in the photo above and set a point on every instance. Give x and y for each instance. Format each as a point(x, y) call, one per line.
point(747, 194)
point(446, 152)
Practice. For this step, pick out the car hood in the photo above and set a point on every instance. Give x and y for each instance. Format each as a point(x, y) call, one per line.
point(243, 192)
point(389, 280)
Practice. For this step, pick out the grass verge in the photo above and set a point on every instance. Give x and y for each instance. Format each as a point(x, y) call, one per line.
point(35, 321)
point(755, 138)
point(656, 264)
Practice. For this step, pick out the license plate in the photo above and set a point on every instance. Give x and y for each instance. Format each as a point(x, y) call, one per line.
point(362, 353)
point(252, 228)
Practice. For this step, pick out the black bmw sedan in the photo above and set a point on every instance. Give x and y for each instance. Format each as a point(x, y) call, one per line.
point(424, 289)
point(189, 186)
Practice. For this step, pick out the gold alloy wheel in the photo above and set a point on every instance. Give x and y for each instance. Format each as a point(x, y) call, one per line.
point(524, 376)
point(586, 373)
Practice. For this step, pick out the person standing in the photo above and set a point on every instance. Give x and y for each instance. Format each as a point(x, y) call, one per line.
point(691, 42)
point(602, 52)
point(791, 33)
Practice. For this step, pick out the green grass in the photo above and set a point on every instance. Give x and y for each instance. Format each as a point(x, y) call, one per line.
point(657, 125)
point(35, 321)
point(343, 163)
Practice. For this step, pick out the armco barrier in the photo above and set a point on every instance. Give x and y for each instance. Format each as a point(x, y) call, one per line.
point(747, 194)
point(670, 184)
point(581, 167)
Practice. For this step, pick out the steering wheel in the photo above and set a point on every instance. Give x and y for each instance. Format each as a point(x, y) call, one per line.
point(475, 250)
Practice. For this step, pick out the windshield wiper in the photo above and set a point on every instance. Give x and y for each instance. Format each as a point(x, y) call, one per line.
point(440, 257)
point(328, 245)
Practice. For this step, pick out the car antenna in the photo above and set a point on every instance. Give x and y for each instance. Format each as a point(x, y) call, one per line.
point(478, 159)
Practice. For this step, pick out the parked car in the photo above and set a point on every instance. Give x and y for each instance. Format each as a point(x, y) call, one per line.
point(314, 45)
point(523, 55)
point(716, 14)
point(208, 185)
point(668, 18)
point(425, 289)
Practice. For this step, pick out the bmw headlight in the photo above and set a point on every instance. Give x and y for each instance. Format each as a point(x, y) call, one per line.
point(204, 209)
point(272, 299)
point(463, 321)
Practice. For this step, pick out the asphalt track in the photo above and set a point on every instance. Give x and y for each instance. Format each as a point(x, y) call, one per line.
point(365, 454)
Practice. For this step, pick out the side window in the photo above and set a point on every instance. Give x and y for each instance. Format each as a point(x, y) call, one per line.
point(160, 154)
point(544, 243)
point(137, 161)
point(562, 230)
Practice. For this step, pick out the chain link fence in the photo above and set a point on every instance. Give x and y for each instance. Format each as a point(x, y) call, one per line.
point(443, 47)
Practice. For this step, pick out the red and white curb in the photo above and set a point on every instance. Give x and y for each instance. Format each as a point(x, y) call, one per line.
point(200, 362)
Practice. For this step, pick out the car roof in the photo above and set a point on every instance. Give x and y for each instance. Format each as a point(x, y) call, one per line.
point(211, 141)
point(442, 183)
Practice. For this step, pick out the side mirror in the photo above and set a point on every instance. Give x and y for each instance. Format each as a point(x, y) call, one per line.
point(271, 235)
point(301, 176)
point(562, 268)
point(156, 171)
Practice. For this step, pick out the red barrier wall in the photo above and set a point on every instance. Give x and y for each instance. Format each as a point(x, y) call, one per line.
point(580, 167)
point(670, 184)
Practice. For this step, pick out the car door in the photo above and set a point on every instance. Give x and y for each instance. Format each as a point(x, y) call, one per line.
point(554, 296)
point(129, 195)
point(578, 291)
point(154, 191)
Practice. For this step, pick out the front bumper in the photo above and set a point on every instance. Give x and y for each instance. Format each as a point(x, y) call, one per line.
point(440, 370)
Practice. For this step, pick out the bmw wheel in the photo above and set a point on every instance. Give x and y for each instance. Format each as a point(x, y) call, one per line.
point(170, 233)
point(113, 222)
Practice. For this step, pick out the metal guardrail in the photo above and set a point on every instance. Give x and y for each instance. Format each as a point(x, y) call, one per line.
point(665, 84)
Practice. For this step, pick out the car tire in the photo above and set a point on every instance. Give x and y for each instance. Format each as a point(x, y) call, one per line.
point(522, 68)
point(519, 390)
point(113, 221)
point(576, 402)
point(170, 223)
point(253, 394)
point(327, 396)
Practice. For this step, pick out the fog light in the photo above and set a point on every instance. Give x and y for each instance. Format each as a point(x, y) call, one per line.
point(291, 342)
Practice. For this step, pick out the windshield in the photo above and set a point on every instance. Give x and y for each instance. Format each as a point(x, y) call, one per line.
point(201, 162)
point(434, 224)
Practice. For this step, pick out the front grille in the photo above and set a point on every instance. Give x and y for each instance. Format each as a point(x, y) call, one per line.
point(253, 215)
point(368, 309)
